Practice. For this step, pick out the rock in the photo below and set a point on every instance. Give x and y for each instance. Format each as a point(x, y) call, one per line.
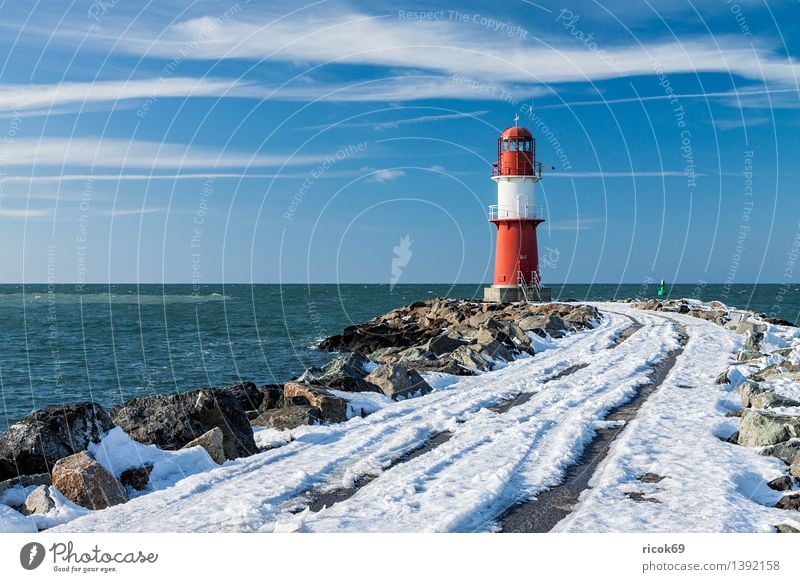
point(722, 378)
point(754, 395)
point(288, 417)
point(781, 483)
point(272, 396)
point(753, 341)
point(794, 468)
point(136, 478)
point(759, 428)
point(787, 451)
point(471, 359)
point(386, 355)
point(494, 350)
point(332, 408)
point(733, 439)
point(539, 323)
point(414, 355)
point(751, 328)
point(169, 422)
point(397, 381)
point(212, 443)
point(85, 482)
point(349, 366)
point(791, 502)
point(786, 528)
point(443, 344)
point(39, 501)
point(708, 314)
point(247, 395)
point(25, 481)
point(35, 443)
point(651, 478)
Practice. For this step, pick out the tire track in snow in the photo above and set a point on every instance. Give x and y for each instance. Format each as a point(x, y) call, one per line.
point(541, 514)
point(466, 482)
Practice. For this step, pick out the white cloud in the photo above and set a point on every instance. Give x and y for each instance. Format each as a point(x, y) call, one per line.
point(448, 47)
point(120, 153)
point(119, 212)
point(664, 174)
point(380, 125)
point(577, 224)
point(25, 212)
point(34, 99)
point(383, 175)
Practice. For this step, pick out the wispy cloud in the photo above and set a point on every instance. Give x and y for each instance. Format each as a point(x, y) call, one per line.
point(664, 174)
point(26, 100)
point(381, 125)
point(383, 175)
point(744, 98)
point(120, 153)
point(576, 224)
point(25, 212)
point(120, 212)
point(448, 47)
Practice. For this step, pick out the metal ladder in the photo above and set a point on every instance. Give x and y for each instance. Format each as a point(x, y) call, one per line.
point(530, 291)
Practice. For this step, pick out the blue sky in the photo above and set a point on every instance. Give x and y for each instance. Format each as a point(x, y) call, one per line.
point(302, 142)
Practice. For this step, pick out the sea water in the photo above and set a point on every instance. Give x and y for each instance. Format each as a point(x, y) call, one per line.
point(111, 343)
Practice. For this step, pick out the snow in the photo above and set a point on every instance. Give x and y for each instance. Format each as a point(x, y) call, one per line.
point(363, 403)
point(117, 452)
point(492, 459)
point(710, 485)
point(12, 521)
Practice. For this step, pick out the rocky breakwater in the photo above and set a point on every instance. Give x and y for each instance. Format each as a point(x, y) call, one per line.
point(392, 353)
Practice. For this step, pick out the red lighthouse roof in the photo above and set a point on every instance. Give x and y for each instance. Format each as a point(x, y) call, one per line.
point(515, 131)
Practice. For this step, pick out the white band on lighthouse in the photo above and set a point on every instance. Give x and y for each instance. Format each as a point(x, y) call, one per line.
point(515, 197)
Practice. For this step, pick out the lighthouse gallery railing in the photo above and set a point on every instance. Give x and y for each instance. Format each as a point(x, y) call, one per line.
point(501, 211)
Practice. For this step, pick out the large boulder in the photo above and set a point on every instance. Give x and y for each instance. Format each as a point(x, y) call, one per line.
point(759, 428)
point(397, 381)
point(471, 359)
point(755, 395)
point(443, 344)
point(213, 443)
point(788, 451)
point(351, 365)
point(272, 396)
point(35, 443)
point(82, 480)
point(247, 395)
point(38, 501)
point(288, 417)
point(170, 422)
point(332, 408)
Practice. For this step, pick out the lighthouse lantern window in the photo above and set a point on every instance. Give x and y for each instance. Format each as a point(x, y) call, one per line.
point(505, 145)
point(513, 145)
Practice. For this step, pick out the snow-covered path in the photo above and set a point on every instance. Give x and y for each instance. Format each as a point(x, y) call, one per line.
point(708, 484)
point(493, 459)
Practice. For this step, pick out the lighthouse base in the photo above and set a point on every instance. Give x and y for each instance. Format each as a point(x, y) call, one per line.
point(514, 294)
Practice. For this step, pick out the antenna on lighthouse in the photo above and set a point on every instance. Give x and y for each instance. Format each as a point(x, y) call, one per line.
point(516, 119)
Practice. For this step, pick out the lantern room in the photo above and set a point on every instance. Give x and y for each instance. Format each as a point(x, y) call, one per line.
point(516, 154)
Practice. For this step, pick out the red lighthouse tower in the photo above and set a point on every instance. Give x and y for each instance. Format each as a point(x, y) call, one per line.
point(516, 172)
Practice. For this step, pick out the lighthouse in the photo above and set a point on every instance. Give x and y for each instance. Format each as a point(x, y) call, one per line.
point(516, 216)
